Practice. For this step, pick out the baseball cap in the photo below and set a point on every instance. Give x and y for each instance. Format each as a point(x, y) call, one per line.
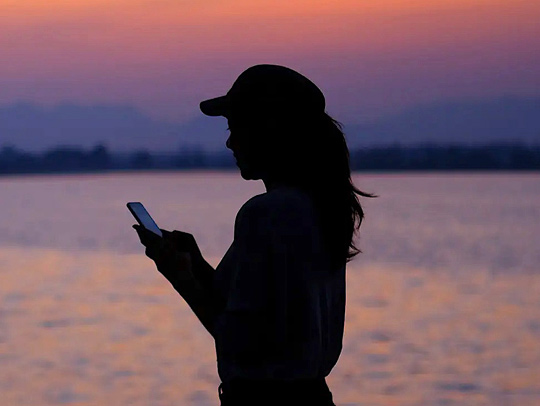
point(268, 88)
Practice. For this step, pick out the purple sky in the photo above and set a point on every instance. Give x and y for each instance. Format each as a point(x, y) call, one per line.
point(370, 58)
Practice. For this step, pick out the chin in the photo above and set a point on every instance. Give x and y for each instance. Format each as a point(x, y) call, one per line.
point(248, 173)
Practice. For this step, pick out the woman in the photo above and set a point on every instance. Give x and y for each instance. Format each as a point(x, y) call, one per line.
point(275, 304)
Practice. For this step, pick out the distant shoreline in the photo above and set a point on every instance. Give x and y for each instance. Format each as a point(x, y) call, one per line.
point(384, 159)
point(230, 171)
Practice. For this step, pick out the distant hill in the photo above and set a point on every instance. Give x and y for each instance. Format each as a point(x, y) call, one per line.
point(123, 128)
point(506, 119)
point(35, 128)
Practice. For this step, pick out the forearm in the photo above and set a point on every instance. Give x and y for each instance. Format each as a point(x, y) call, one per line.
point(180, 261)
point(200, 300)
point(204, 273)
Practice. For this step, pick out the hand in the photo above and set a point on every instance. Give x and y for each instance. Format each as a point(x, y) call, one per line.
point(172, 260)
point(184, 242)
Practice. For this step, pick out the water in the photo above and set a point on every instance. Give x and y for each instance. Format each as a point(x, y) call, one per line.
point(443, 305)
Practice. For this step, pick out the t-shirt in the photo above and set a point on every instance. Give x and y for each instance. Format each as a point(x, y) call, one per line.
point(282, 306)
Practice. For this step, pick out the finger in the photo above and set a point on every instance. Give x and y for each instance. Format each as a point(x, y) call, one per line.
point(183, 241)
point(153, 254)
point(143, 237)
point(161, 252)
point(147, 237)
point(166, 233)
point(144, 231)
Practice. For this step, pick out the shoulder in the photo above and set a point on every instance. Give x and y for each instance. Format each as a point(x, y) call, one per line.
point(281, 213)
point(287, 203)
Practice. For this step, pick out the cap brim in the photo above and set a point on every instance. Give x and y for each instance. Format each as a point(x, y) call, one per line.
point(215, 107)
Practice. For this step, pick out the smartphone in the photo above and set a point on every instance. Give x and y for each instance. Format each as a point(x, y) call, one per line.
point(143, 218)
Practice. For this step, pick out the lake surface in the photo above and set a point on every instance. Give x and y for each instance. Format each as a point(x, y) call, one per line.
point(443, 303)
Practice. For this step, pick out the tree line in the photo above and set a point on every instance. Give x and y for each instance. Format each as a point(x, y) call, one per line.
point(382, 158)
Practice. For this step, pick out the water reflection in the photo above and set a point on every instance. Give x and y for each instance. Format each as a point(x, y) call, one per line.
point(86, 320)
point(117, 334)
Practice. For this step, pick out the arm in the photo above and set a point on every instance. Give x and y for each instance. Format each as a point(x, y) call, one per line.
point(203, 273)
point(199, 300)
point(180, 261)
point(253, 321)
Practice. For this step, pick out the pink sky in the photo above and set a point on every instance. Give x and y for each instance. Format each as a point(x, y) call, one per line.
point(369, 57)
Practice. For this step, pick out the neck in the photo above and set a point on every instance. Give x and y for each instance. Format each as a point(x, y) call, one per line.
point(271, 184)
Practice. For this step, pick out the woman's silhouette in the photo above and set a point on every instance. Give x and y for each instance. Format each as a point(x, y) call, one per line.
point(275, 304)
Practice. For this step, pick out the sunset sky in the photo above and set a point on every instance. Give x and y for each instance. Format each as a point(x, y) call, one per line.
point(370, 57)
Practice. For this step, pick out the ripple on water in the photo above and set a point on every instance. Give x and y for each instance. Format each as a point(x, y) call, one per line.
point(56, 323)
point(64, 396)
point(14, 298)
point(463, 387)
point(380, 336)
point(393, 389)
point(122, 373)
point(199, 397)
point(68, 322)
point(377, 375)
point(534, 326)
point(374, 302)
point(123, 332)
point(376, 359)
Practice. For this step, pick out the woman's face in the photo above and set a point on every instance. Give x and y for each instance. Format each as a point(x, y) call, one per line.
point(247, 144)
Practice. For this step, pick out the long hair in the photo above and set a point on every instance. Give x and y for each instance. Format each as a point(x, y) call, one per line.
point(314, 157)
